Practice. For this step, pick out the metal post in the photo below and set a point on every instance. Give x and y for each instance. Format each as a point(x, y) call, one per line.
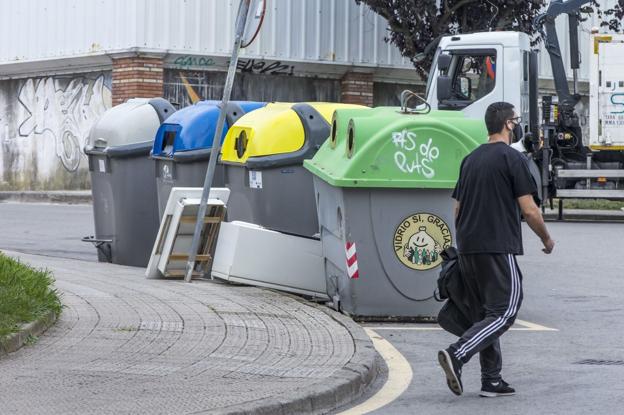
point(546, 153)
point(241, 19)
point(588, 165)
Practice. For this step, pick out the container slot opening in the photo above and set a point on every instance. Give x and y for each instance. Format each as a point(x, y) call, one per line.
point(332, 140)
point(240, 144)
point(168, 140)
point(350, 142)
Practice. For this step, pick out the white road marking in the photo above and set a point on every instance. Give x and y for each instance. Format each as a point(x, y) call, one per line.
point(399, 377)
point(520, 325)
point(533, 326)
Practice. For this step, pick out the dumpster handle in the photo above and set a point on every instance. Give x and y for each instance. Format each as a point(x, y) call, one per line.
point(95, 241)
point(407, 96)
point(100, 245)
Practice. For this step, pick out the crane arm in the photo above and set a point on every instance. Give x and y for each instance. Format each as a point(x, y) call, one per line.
point(546, 20)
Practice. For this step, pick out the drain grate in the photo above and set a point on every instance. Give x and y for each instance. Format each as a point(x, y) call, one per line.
point(598, 362)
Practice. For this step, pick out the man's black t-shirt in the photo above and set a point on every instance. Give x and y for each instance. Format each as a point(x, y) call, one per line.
point(491, 179)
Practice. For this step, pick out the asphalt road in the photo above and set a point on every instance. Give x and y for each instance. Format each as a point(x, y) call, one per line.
point(47, 229)
point(578, 290)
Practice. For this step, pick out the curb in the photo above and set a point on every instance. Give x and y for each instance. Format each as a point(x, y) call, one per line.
point(579, 215)
point(343, 387)
point(31, 196)
point(15, 341)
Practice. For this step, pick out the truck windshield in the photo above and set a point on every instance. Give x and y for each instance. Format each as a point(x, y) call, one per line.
point(473, 75)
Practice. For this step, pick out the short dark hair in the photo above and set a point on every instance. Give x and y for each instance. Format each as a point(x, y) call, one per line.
point(496, 115)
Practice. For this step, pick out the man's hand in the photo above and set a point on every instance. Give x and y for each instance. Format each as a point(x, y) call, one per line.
point(533, 217)
point(549, 245)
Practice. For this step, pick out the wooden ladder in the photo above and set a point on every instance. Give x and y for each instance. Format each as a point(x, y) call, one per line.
point(208, 242)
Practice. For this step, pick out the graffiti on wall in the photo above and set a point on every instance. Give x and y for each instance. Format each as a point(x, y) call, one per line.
point(260, 66)
point(188, 61)
point(244, 65)
point(44, 123)
point(65, 111)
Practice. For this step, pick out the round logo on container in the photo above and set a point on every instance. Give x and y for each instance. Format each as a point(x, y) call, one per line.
point(420, 239)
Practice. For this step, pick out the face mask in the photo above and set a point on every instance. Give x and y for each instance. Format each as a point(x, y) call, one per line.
point(517, 133)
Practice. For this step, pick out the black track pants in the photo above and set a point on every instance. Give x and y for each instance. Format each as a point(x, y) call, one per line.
point(493, 285)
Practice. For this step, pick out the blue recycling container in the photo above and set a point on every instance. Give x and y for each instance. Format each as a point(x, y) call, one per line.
point(183, 144)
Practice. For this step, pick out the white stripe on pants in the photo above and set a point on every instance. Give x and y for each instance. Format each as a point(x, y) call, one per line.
point(500, 321)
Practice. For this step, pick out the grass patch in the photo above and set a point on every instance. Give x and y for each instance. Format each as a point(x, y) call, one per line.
point(595, 204)
point(25, 294)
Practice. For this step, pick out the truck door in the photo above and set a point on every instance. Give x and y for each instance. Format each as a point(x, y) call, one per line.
point(472, 80)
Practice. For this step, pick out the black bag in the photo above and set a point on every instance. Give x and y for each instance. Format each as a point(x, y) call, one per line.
point(449, 272)
point(452, 319)
point(454, 316)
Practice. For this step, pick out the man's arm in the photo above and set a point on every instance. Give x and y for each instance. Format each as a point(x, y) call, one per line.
point(533, 217)
point(456, 209)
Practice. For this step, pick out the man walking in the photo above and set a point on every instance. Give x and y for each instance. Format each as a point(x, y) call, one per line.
point(494, 187)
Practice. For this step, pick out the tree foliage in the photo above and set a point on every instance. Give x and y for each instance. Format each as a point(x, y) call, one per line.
point(415, 26)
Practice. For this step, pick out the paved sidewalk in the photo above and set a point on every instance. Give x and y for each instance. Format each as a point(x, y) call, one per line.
point(125, 345)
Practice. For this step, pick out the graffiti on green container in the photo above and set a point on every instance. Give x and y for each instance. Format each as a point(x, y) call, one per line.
point(414, 157)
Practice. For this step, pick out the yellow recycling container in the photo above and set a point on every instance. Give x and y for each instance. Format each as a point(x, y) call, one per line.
point(263, 154)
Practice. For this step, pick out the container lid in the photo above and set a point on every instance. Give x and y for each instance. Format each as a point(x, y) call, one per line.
point(134, 121)
point(294, 131)
point(384, 147)
point(194, 127)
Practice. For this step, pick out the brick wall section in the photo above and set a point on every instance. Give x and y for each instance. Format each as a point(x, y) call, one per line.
point(137, 77)
point(357, 88)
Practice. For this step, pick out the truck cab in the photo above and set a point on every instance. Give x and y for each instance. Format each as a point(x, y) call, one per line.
point(470, 72)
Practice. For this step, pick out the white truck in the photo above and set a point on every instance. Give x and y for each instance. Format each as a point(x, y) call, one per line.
point(606, 93)
point(471, 71)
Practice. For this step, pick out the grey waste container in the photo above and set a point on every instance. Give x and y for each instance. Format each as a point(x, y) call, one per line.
point(122, 180)
point(383, 187)
point(263, 155)
point(183, 145)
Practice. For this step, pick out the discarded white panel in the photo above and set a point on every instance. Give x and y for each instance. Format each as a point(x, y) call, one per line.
point(250, 254)
point(173, 242)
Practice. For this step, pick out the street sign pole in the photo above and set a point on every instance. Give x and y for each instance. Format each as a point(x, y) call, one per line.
point(241, 20)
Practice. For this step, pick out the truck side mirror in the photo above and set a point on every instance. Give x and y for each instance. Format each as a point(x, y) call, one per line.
point(444, 62)
point(445, 88)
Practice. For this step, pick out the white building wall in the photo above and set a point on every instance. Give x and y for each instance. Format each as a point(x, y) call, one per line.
point(312, 31)
point(333, 31)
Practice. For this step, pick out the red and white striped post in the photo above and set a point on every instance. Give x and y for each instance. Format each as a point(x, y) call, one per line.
point(352, 264)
